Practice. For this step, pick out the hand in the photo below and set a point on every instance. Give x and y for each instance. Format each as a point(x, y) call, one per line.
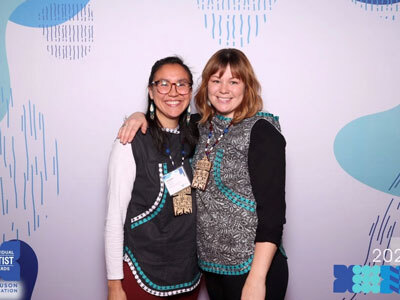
point(254, 289)
point(131, 125)
point(115, 290)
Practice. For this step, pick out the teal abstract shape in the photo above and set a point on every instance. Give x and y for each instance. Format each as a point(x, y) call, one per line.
point(6, 9)
point(368, 149)
point(27, 13)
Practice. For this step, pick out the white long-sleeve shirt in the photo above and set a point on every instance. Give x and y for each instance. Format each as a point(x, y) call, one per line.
point(121, 176)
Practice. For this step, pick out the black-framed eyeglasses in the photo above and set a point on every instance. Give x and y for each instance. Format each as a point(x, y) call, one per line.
point(164, 86)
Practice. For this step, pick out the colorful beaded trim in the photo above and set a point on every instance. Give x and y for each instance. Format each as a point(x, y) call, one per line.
point(155, 289)
point(158, 204)
point(239, 269)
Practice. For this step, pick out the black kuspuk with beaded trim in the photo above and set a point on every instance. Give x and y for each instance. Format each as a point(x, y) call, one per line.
point(159, 247)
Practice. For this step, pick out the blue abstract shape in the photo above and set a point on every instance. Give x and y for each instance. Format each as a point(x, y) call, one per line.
point(379, 2)
point(6, 9)
point(27, 13)
point(29, 269)
point(343, 278)
point(386, 9)
point(391, 279)
point(368, 149)
point(9, 265)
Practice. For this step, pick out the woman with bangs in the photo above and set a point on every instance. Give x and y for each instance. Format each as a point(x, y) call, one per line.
point(239, 177)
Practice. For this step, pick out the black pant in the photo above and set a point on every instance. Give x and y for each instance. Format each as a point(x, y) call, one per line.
point(229, 287)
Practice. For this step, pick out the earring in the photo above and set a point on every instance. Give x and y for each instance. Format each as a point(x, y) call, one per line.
point(188, 115)
point(208, 103)
point(152, 110)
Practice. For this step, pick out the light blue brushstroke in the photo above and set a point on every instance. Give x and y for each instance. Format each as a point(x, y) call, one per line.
point(227, 31)
point(15, 171)
point(30, 117)
point(4, 151)
point(233, 27)
point(220, 28)
point(44, 149)
point(36, 167)
point(248, 32)
point(24, 190)
point(2, 195)
point(34, 121)
point(368, 149)
point(41, 188)
point(33, 200)
point(213, 26)
point(26, 146)
point(58, 173)
point(256, 25)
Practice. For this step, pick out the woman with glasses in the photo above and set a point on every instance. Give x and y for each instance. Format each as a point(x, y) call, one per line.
point(239, 176)
point(150, 227)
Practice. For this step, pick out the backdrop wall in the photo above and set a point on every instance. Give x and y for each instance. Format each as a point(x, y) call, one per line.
point(70, 70)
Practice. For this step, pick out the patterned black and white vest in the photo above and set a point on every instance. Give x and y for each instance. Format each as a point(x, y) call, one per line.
point(226, 210)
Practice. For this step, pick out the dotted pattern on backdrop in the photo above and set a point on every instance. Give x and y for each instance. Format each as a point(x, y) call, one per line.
point(385, 9)
point(29, 170)
point(72, 39)
point(235, 23)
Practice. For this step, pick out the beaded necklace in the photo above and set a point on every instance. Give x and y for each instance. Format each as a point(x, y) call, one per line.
point(203, 166)
point(225, 131)
point(168, 152)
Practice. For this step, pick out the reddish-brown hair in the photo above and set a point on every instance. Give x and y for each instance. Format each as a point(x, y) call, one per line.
point(241, 69)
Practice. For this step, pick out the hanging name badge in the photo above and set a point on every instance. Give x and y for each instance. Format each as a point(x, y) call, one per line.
point(176, 180)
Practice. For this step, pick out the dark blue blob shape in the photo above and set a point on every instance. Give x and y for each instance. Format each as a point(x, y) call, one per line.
point(29, 268)
point(27, 13)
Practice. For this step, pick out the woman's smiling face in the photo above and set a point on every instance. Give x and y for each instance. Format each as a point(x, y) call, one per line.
point(225, 92)
point(170, 106)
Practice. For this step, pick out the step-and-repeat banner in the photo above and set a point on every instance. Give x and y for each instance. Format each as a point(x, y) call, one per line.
point(70, 70)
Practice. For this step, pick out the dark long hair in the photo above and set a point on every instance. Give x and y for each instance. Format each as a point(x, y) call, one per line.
point(189, 131)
